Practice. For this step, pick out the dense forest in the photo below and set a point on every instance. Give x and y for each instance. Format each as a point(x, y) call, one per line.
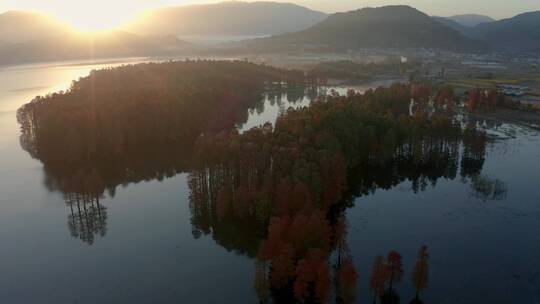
point(120, 116)
point(114, 109)
point(277, 193)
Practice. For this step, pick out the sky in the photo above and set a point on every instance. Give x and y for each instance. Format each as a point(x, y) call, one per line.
point(88, 13)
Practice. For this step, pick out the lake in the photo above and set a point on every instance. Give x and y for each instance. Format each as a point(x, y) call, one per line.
point(143, 247)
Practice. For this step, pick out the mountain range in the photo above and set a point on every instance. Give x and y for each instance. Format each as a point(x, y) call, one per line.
point(471, 20)
point(387, 27)
point(405, 27)
point(93, 46)
point(31, 37)
point(520, 33)
point(19, 26)
point(232, 18)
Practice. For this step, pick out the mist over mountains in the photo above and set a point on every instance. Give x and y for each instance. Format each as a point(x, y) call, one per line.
point(19, 26)
point(103, 45)
point(33, 37)
point(232, 18)
point(470, 20)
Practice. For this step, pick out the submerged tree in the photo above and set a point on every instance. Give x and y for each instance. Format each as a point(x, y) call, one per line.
point(347, 282)
point(484, 99)
point(420, 274)
point(277, 193)
point(262, 285)
point(293, 181)
point(378, 277)
point(394, 272)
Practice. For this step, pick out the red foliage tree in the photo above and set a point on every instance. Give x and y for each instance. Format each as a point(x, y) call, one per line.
point(493, 96)
point(378, 277)
point(323, 283)
point(340, 237)
point(348, 278)
point(303, 278)
point(445, 97)
point(302, 199)
point(310, 232)
point(276, 231)
point(421, 93)
point(313, 272)
point(282, 266)
point(394, 270)
point(421, 271)
point(474, 99)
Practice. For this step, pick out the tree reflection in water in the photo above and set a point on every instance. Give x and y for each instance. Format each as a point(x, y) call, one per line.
point(137, 122)
point(88, 218)
point(486, 188)
point(279, 193)
point(283, 190)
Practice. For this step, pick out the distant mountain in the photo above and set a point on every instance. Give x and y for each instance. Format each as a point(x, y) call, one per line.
point(463, 29)
point(100, 45)
point(34, 37)
point(518, 34)
point(389, 27)
point(470, 20)
point(18, 26)
point(233, 18)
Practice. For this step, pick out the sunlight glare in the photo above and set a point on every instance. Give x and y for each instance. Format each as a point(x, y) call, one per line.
point(98, 15)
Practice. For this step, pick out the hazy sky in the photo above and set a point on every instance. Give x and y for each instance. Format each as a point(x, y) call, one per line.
point(117, 11)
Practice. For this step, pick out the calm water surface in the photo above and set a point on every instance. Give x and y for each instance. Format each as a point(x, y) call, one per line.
point(483, 248)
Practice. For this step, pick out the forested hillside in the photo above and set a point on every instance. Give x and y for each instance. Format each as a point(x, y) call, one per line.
point(396, 27)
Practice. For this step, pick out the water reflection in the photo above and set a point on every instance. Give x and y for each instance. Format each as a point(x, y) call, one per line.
point(485, 188)
point(88, 218)
point(293, 191)
point(83, 183)
point(82, 193)
point(223, 195)
point(277, 99)
point(234, 225)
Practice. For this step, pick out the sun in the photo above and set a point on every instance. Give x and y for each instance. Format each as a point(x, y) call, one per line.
point(96, 21)
point(91, 25)
point(98, 15)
